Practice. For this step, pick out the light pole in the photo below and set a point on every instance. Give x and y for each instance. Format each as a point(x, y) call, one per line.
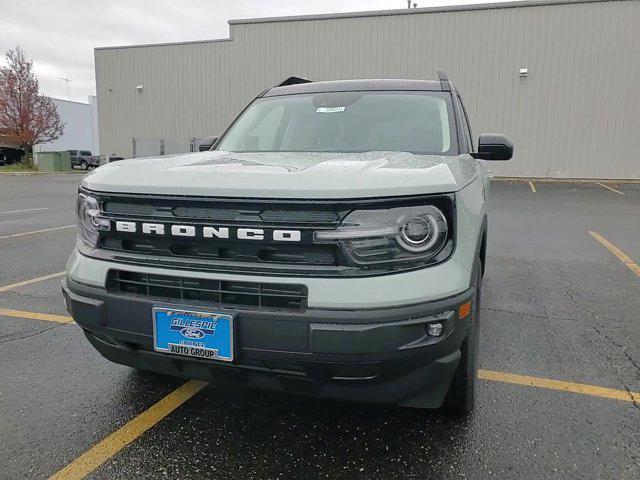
point(67, 81)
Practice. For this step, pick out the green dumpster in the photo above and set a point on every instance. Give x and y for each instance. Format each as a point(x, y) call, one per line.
point(54, 161)
point(65, 162)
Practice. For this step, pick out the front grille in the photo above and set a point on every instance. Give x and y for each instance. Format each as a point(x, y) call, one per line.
point(305, 218)
point(222, 293)
point(251, 253)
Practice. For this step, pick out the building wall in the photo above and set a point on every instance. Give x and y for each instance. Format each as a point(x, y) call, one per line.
point(93, 104)
point(5, 142)
point(78, 131)
point(571, 117)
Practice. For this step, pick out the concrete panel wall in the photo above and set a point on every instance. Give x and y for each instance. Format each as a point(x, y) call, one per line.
point(78, 131)
point(93, 103)
point(573, 116)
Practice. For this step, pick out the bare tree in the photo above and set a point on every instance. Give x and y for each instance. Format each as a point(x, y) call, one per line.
point(26, 117)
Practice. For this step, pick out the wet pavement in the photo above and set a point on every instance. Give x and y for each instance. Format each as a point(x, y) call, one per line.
point(557, 305)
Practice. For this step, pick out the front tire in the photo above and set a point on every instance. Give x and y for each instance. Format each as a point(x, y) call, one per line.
point(461, 395)
point(84, 165)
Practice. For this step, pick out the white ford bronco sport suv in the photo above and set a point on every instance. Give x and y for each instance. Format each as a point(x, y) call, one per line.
point(330, 243)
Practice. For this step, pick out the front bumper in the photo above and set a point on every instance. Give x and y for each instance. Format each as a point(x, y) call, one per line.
point(376, 355)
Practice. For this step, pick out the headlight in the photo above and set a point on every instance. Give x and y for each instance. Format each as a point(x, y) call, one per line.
point(404, 234)
point(89, 223)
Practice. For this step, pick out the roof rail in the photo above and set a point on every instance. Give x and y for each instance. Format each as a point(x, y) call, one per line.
point(293, 81)
point(445, 83)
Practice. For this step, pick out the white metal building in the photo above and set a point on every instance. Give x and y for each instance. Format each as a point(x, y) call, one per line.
point(81, 127)
point(572, 112)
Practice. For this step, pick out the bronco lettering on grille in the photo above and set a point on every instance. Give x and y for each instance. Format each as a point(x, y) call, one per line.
point(208, 231)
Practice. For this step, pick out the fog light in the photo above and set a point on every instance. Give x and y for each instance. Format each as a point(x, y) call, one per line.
point(435, 329)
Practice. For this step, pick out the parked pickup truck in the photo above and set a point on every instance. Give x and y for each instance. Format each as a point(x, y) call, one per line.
point(84, 159)
point(9, 155)
point(331, 243)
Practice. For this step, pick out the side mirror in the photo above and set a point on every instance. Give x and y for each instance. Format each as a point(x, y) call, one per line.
point(207, 143)
point(493, 146)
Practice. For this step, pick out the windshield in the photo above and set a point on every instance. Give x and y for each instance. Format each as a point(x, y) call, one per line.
point(417, 122)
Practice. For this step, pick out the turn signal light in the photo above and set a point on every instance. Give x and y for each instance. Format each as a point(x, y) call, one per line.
point(464, 310)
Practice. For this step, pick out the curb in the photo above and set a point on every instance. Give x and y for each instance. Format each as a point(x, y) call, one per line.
point(565, 180)
point(32, 174)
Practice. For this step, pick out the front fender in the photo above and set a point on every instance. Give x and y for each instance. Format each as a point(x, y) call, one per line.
point(471, 223)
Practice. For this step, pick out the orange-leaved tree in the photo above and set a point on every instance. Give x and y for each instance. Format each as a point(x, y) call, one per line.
point(26, 117)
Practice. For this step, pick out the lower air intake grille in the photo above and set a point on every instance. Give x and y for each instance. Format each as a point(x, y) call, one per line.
point(267, 296)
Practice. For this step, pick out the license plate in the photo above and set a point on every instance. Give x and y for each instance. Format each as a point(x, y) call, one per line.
point(206, 335)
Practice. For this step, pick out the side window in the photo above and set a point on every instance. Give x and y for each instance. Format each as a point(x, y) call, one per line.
point(263, 135)
point(467, 126)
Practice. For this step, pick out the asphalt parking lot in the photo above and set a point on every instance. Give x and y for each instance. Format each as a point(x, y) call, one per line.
point(560, 360)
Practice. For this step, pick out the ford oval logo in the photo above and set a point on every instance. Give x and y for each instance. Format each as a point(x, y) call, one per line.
point(192, 333)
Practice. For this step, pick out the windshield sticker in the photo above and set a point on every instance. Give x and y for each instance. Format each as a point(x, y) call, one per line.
point(330, 109)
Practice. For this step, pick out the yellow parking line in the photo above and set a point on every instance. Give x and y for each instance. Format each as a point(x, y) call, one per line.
point(47, 317)
point(610, 188)
point(130, 431)
point(36, 231)
point(561, 385)
point(623, 257)
point(533, 187)
point(29, 282)
point(107, 448)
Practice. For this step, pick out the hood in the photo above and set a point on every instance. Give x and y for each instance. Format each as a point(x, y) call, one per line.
point(286, 175)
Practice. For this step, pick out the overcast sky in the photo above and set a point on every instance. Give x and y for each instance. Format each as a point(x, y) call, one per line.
point(60, 35)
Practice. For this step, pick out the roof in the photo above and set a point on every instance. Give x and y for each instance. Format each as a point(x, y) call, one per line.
point(355, 85)
point(407, 11)
point(69, 101)
point(373, 13)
